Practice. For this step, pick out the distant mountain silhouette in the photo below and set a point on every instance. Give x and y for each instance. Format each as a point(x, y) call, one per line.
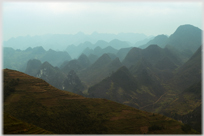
point(153, 53)
point(55, 58)
point(117, 44)
point(17, 59)
point(122, 53)
point(32, 67)
point(98, 51)
point(100, 69)
point(160, 40)
point(92, 58)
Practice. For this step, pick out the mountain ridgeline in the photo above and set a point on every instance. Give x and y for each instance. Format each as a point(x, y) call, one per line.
point(91, 91)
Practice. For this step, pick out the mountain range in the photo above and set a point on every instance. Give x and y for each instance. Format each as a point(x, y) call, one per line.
point(161, 77)
point(61, 41)
point(17, 59)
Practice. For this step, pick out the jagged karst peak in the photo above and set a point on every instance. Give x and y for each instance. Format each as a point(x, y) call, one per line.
point(39, 49)
point(33, 66)
point(29, 49)
point(82, 56)
point(109, 48)
point(105, 56)
point(83, 60)
point(153, 47)
point(116, 61)
point(186, 28)
point(103, 60)
point(98, 48)
point(124, 69)
point(161, 36)
point(114, 40)
point(186, 38)
point(46, 64)
point(99, 42)
point(51, 50)
point(132, 53)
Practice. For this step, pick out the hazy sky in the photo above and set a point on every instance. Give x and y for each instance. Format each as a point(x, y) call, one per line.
point(150, 18)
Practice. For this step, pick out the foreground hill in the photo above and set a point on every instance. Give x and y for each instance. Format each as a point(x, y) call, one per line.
point(15, 126)
point(34, 101)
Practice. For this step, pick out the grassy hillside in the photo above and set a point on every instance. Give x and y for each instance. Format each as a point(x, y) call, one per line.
point(35, 102)
point(15, 126)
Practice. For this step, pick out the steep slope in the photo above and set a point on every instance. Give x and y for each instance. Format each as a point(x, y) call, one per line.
point(117, 44)
point(99, 70)
point(186, 37)
point(101, 43)
point(76, 50)
point(160, 40)
point(51, 74)
point(73, 84)
point(103, 60)
point(98, 51)
point(32, 67)
point(133, 56)
point(154, 54)
point(123, 88)
point(122, 53)
point(92, 58)
point(84, 61)
point(114, 87)
point(110, 49)
point(147, 77)
point(185, 40)
point(56, 58)
point(61, 112)
point(76, 64)
point(71, 65)
point(190, 72)
point(166, 63)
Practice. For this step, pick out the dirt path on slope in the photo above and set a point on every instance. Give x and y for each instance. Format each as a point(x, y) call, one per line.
point(154, 102)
